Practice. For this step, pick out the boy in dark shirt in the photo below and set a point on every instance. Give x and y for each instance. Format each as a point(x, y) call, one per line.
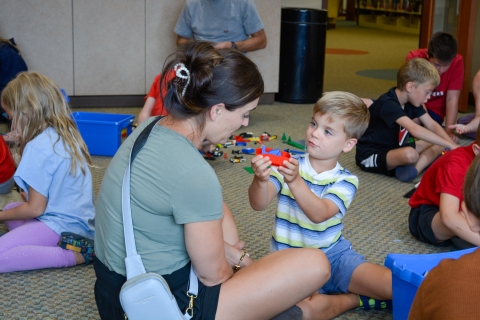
point(386, 146)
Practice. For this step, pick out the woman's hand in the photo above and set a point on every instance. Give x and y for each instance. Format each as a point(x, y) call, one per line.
point(235, 252)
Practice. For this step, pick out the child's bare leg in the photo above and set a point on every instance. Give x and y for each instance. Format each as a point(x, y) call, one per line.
point(230, 232)
point(441, 231)
point(454, 224)
point(322, 306)
point(273, 284)
point(372, 280)
point(428, 153)
point(409, 162)
point(401, 157)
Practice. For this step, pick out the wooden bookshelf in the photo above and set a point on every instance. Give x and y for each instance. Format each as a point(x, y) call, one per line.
point(391, 10)
point(394, 15)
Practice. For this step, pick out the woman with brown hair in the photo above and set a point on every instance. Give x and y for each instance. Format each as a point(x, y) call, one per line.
point(176, 202)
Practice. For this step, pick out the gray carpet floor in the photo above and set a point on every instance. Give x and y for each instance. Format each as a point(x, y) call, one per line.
point(376, 222)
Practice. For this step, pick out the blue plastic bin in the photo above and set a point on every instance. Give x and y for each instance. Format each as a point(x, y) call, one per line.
point(103, 132)
point(408, 272)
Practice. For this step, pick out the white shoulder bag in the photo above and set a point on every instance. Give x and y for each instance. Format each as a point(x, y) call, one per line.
point(146, 295)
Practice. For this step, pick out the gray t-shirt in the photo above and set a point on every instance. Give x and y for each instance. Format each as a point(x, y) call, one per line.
point(218, 20)
point(171, 185)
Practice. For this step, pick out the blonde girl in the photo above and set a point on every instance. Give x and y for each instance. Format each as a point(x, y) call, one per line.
point(54, 171)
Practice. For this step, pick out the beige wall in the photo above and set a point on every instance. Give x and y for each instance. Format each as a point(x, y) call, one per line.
point(109, 47)
point(43, 31)
point(112, 47)
point(116, 47)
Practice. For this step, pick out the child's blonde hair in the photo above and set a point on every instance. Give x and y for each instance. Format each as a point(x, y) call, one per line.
point(418, 71)
point(36, 103)
point(346, 107)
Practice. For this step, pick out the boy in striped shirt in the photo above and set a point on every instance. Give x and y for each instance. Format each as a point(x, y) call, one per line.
point(314, 192)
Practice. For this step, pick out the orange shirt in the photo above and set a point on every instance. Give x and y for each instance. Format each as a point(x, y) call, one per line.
point(158, 108)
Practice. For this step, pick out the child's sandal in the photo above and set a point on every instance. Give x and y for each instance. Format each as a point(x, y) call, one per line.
point(77, 243)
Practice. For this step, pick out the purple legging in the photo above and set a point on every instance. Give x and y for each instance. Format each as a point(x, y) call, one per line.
point(30, 245)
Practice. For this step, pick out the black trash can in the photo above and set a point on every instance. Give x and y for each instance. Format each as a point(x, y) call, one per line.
point(302, 55)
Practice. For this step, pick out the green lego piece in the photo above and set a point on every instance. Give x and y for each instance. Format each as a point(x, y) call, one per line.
point(295, 144)
point(248, 169)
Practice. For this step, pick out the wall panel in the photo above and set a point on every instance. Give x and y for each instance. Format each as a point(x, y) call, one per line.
point(268, 59)
point(109, 47)
point(161, 17)
point(113, 47)
point(43, 32)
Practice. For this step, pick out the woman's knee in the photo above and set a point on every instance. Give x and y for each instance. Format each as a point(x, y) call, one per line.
point(319, 265)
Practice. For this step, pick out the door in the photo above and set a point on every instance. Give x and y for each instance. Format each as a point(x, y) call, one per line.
point(456, 17)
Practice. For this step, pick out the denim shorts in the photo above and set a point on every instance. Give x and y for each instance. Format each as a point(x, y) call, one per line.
point(343, 261)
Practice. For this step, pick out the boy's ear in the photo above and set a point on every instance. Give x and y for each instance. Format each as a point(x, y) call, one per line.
point(349, 144)
point(409, 86)
point(476, 149)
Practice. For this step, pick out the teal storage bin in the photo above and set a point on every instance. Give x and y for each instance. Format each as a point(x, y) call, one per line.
point(103, 132)
point(408, 272)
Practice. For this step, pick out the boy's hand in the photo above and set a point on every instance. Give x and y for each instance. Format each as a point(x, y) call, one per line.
point(459, 128)
point(12, 137)
point(289, 170)
point(260, 167)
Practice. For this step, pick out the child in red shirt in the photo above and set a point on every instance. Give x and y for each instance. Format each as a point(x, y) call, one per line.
point(442, 54)
point(154, 99)
point(436, 214)
point(7, 168)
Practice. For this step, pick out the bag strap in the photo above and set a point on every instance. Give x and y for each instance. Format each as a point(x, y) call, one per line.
point(133, 261)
